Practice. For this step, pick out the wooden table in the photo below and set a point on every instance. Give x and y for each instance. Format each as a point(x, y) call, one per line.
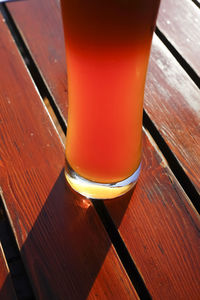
point(54, 243)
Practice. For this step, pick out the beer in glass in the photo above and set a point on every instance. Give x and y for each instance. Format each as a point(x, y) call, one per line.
point(107, 51)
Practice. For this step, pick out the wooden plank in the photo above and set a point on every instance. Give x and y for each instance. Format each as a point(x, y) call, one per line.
point(179, 21)
point(65, 249)
point(160, 229)
point(177, 122)
point(45, 42)
point(172, 102)
point(7, 291)
point(16, 267)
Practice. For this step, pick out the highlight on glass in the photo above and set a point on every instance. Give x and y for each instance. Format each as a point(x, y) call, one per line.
point(107, 51)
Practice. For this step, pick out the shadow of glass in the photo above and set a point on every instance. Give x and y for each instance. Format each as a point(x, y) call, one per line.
point(118, 206)
point(7, 291)
point(67, 245)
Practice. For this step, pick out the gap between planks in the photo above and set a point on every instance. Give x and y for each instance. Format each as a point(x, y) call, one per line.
point(34, 72)
point(18, 275)
point(188, 69)
point(197, 2)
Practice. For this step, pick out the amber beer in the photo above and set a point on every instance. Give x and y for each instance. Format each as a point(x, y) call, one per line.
point(107, 49)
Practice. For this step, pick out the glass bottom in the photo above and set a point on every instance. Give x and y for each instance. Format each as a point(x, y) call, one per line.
point(95, 190)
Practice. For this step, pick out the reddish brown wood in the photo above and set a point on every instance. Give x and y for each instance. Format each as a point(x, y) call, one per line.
point(172, 101)
point(66, 251)
point(7, 291)
point(161, 230)
point(179, 20)
point(171, 98)
point(45, 40)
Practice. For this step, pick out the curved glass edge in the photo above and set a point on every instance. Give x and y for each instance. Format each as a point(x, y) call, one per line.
point(95, 190)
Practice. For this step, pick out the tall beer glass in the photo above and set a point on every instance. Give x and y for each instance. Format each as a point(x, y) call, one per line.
point(107, 50)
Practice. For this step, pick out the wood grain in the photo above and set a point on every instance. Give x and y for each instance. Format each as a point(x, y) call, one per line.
point(7, 291)
point(171, 98)
point(45, 39)
point(172, 101)
point(179, 21)
point(160, 229)
point(65, 249)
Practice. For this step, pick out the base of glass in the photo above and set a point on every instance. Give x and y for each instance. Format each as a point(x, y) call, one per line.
point(95, 190)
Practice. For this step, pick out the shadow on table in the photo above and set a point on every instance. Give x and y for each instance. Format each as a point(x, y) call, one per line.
point(7, 291)
point(67, 246)
point(117, 207)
